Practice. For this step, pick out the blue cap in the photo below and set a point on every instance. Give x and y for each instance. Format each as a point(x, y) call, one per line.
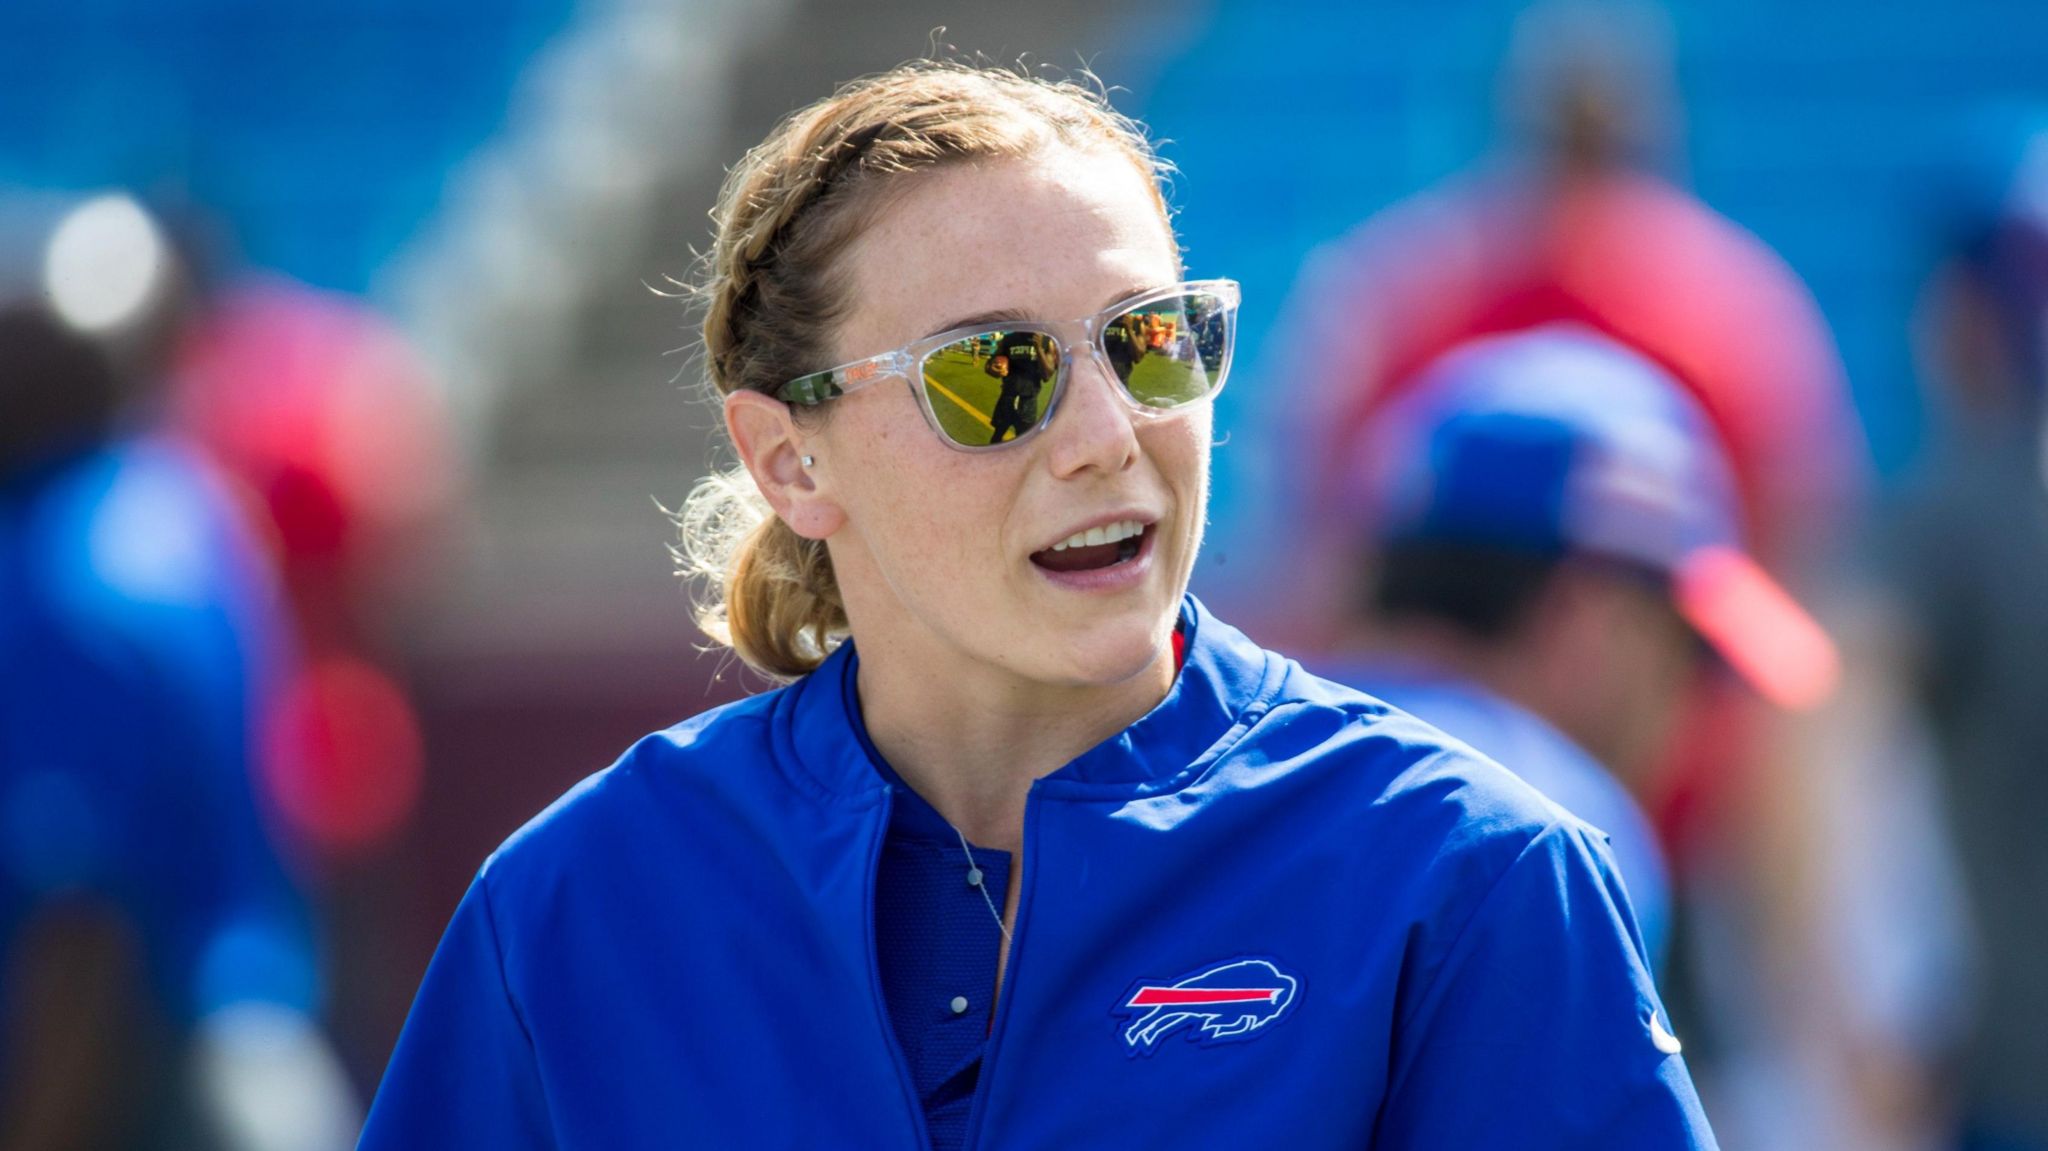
point(1559, 441)
point(1554, 441)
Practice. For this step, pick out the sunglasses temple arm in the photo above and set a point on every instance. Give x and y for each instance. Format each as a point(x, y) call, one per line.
point(832, 383)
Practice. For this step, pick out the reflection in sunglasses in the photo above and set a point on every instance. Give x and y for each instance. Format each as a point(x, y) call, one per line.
point(992, 387)
point(955, 374)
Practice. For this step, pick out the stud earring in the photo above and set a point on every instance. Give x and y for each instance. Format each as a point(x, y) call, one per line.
point(809, 460)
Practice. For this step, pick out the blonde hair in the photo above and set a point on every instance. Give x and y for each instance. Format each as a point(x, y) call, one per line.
point(773, 288)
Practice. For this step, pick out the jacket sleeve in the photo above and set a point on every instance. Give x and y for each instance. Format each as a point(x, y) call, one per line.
point(1539, 1026)
point(464, 1072)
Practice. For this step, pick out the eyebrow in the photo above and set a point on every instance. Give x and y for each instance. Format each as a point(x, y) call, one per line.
point(1017, 316)
point(999, 316)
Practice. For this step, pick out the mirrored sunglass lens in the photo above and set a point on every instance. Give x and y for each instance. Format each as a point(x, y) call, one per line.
point(1171, 352)
point(993, 387)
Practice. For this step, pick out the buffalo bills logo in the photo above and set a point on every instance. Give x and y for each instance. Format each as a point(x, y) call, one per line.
point(1225, 1003)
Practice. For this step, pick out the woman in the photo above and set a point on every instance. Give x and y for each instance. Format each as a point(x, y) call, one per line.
point(1033, 852)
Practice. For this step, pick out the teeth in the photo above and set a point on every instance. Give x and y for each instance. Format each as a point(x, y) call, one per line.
point(1095, 537)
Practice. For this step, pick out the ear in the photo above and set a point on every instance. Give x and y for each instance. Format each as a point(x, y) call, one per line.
point(772, 447)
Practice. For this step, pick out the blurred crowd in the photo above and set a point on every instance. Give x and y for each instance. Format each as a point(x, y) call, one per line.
point(202, 485)
point(1589, 491)
point(1558, 457)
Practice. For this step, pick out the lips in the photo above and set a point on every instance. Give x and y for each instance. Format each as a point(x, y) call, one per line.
point(1091, 549)
point(1089, 557)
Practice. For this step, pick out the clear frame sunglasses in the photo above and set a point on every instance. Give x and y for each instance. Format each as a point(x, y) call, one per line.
point(988, 386)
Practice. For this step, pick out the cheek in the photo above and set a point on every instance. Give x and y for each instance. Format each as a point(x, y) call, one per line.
point(917, 505)
point(876, 440)
point(1180, 450)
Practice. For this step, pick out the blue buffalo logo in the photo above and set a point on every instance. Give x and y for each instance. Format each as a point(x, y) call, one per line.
point(1225, 1003)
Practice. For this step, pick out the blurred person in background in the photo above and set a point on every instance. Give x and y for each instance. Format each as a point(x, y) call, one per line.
point(331, 431)
point(1814, 942)
point(1578, 220)
point(1968, 550)
point(1556, 542)
point(161, 982)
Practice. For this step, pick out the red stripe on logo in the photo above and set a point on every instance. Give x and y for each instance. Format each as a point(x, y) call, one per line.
point(1186, 996)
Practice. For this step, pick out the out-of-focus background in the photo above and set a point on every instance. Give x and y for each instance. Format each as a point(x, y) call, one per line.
point(342, 392)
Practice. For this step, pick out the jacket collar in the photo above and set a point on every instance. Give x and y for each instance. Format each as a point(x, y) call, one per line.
point(1225, 683)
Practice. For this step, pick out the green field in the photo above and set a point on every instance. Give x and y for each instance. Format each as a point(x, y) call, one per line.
point(1162, 381)
point(963, 395)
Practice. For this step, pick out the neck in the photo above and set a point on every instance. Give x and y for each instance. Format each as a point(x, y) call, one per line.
point(971, 738)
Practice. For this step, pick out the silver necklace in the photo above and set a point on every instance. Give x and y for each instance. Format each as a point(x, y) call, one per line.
point(974, 878)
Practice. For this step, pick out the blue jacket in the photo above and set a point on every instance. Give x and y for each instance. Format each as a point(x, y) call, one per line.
point(1547, 760)
point(1271, 913)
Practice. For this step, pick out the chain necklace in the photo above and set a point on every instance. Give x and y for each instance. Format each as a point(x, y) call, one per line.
point(974, 878)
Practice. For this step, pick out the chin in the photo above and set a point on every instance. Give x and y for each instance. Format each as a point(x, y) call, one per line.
point(1108, 654)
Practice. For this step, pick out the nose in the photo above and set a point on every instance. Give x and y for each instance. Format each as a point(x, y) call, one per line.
point(1093, 428)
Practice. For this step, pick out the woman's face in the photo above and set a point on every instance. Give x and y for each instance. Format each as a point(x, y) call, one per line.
point(942, 553)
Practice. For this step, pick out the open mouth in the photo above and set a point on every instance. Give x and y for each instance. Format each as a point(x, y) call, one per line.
point(1096, 548)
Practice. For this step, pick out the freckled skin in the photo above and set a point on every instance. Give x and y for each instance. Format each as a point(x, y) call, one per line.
point(980, 672)
point(934, 556)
